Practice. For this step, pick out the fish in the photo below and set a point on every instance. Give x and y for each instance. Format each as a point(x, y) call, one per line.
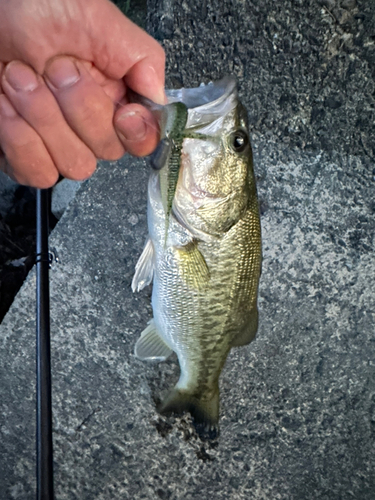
point(203, 251)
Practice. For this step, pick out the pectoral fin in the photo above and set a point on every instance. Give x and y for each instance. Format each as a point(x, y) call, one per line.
point(192, 265)
point(150, 346)
point(144, 269)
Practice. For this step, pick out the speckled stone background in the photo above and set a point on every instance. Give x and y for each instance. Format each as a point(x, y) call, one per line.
point(298, 404)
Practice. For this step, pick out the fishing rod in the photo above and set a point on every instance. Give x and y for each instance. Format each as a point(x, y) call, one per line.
point(44, 450)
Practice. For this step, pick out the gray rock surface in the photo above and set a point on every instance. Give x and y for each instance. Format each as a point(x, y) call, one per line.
point(306, 67)
point(62, 194)
point(7, 189)
point(298, 404)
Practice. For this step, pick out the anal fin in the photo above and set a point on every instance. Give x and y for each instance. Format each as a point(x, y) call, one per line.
point(150, 346)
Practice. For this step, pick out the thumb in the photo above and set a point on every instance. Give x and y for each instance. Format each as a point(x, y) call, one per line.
point(120, 49)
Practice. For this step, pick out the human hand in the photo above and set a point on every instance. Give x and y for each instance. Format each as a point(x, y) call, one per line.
point(65, 67)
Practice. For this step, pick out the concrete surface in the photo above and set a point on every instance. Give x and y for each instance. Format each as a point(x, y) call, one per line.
point(298, 405)
point(7, 189)
point(62, 194)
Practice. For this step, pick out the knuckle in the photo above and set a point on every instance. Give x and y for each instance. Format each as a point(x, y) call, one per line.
point(111, 149)
point(45, 117)
point(22, 146)
point(95, 111)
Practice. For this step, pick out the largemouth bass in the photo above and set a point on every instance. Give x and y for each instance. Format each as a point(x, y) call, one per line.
point(203, 252)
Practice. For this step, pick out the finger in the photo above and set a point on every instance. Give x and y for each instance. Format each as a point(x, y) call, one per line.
point(28, 160)
point(85, 106)
point(143, 78)
point(121, 49)
point(137, 128)
point(1, 74)
point(115, 89)
point(34, 102)
point(115, 45)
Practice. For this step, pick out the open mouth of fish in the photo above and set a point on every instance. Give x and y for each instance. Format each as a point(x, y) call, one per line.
point(206, 103)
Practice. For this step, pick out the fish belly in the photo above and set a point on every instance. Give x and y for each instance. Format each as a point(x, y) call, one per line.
point(201, 325)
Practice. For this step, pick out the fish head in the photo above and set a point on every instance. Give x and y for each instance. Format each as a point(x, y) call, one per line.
point(215, 177)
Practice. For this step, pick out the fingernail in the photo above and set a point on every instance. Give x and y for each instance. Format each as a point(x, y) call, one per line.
point(21, 77)
point(62, 73)
point(132, 126)
point(160, 97)
point(146, 81)
point(6, 109)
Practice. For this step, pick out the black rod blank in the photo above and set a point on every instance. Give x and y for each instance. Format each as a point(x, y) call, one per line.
point(44, 455)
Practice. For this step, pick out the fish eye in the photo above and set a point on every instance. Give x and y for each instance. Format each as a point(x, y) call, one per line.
point(239, 140)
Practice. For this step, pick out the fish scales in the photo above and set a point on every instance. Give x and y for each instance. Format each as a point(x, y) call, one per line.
point(205, 252)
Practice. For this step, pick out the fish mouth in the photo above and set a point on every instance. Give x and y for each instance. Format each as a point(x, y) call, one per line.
point(206, 103)
point(205, 95)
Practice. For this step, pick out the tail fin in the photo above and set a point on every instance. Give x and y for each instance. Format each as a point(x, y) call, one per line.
point(205, 412)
